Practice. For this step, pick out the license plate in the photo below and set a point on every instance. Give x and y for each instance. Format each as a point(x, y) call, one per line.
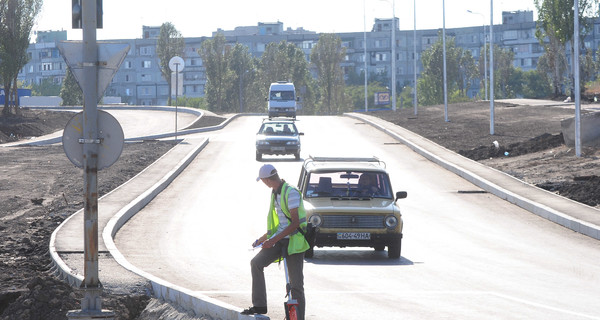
point(277, 148)
point(354, 236)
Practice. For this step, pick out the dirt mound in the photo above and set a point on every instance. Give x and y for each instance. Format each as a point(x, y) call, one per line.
point(32, 123)
point(540, 143)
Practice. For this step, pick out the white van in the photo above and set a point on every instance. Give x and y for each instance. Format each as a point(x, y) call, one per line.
point(281, 101)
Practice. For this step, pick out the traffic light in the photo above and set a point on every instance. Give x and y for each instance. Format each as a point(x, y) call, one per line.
point(77, 14)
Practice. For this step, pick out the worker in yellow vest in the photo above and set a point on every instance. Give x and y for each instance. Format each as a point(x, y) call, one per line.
point(286, 225)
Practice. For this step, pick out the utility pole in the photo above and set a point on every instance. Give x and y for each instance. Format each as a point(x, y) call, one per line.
point(91, 304)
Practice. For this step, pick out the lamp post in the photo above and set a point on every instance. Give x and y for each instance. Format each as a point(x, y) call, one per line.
point(365, 53)
point(484, 54)
point(393, 55)
point(415, 53)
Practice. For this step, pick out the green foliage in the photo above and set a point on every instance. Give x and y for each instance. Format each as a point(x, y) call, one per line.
point(285, 61)
point(198, 103)
point(216, 55)
point(71, 93)
point(327, 56)
point(555, 28)
point(431, 82)
point(536, 85)
point(170, 43)
point(17, 18)
point(355, 94)
point(46, 88)
point(245, 93)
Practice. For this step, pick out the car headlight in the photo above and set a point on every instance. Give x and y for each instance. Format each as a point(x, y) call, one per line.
point(292, 143)
point(262, 142)
point(316, 220)
point(391, 221)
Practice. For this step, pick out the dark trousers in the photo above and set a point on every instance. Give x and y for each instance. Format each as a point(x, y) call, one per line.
point(295, 264)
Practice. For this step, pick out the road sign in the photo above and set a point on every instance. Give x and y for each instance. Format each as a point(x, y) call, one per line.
point(382, 98)
point(176, 64)
point(110, 57)
point(110, 140)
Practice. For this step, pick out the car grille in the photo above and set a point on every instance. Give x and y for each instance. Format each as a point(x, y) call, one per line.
point(348, 221)
point(277, 142)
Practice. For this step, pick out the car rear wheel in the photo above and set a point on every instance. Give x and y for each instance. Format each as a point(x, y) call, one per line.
point(258, 156)
point(297, 155)
point(394, 250)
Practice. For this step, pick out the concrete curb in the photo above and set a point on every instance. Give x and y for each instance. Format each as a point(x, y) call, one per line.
point(190, 301)
point(544, 211)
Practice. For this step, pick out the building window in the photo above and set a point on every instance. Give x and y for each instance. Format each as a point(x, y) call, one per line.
point(128, 65)
point(380, 57)
point(146, 64)
point(146, 77)
point(46, 66)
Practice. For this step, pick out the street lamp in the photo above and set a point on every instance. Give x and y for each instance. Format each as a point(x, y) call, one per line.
point(484, 54)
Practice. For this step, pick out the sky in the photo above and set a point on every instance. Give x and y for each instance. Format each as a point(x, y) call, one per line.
point(123, 19)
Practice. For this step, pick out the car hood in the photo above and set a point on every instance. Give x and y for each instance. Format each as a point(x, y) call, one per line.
point(375, 205)
point(262, 137)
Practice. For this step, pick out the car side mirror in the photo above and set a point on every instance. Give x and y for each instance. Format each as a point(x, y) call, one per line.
point(297, 98)
point(301, 133)
point(401, 195)
point(266, 99)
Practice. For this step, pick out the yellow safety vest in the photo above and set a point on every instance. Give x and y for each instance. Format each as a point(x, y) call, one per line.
point(297, 243)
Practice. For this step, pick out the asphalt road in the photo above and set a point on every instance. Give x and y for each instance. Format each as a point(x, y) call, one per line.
point(465, 255)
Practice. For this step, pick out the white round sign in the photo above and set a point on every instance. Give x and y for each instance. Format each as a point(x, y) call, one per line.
point(110, 134)
point(176, 64)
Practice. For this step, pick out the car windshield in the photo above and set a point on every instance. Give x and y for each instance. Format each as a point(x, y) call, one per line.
point(278, 129)
point(353, 184)
point(282, 95)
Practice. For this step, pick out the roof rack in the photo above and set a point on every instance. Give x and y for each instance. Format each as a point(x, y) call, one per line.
point(344, 159)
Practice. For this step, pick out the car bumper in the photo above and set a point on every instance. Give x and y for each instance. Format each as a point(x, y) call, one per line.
point(376, 239)
point(282, 113)
point(278, 150)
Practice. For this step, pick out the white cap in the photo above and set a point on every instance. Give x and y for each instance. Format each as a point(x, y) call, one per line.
point(266, 171)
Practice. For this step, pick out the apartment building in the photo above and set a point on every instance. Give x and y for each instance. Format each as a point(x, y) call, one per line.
point(139, 80)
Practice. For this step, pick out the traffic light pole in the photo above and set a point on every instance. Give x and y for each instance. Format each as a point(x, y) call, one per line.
point(91, 304)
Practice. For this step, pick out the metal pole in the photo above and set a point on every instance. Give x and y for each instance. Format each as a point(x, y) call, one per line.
point(394, 55)
point(485, 82)
point(176, 94)
point(492, 67)
point(576, 75)
point(91, 303)
point(415, 103)
point(444, 51)
point(365, 53)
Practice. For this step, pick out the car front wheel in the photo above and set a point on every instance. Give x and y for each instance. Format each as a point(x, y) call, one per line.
point(258, 156)
point(394, 249)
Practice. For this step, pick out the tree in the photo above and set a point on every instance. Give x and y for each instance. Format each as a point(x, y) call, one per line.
point(245, 90)
point(170, 44)
point(45, 88)
point(16, 21)
point(285, 61)
point(216, 56)
point(556, 23)
point(431, 83)
point(503, 72)
point(327, 56)
point(71, 93)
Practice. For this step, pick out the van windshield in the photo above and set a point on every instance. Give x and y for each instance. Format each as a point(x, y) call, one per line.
point(282, 95)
